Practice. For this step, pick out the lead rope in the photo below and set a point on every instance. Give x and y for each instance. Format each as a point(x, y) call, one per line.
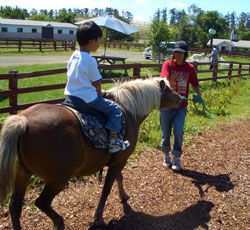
point(198, 100)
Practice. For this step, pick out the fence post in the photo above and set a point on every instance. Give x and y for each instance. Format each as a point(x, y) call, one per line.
point(137, 71)
point(215, 71)
point(73, 45)
point(13, 91)
point(240, 68)
point(239, 72)
point(19, 44)
point(230, 70)
point(195, 64)
point(54, 45)
point(40, 45)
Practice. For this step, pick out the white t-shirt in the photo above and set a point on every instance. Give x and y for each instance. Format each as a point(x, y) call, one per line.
point(82, 70)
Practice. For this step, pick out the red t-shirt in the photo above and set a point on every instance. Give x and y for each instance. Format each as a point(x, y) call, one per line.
point(180, 76)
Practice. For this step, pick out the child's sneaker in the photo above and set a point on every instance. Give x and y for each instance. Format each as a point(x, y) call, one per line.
point(176, 164)
point(116, 145)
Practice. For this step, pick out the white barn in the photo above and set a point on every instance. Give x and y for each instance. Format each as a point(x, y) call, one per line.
point(227, 44)
point(29, 29)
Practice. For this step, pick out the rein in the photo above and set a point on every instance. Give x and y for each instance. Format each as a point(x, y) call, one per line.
point(198, 100)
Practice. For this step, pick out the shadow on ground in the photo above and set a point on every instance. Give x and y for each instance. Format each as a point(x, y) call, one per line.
point(190, 218)
point(221, 182)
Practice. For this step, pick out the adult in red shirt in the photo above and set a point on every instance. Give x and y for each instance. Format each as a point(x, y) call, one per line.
point(180, 74)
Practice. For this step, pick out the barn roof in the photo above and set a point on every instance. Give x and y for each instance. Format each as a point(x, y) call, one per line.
point(19, 22)
point(227, 42)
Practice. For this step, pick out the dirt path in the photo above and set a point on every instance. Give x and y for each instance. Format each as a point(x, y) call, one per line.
point(213, 192)
point(30, 60)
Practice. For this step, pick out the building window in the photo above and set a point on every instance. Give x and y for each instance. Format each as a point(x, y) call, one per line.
point(59, 31)
point(34, 30)
point(71, 32)
point(19, 30)
point(4, 29)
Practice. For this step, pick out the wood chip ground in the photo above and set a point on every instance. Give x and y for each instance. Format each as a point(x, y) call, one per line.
point(213, 192)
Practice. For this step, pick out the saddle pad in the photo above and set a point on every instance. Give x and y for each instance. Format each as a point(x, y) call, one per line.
point(94, 130)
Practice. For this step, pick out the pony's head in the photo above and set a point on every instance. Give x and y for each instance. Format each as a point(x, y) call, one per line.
point(140, 97)
point(169, 98)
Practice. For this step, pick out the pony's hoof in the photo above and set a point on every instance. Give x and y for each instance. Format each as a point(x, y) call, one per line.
point(98, 225)
point(59, 226)
point(125, 198)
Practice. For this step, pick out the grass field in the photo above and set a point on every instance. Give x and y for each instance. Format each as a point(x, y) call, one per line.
point(227, 100)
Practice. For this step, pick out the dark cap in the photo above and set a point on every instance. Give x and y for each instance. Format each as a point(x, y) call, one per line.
point(181, 46)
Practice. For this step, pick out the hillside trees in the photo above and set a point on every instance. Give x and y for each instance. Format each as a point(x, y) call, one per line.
point(193, 26)
point(9, 12)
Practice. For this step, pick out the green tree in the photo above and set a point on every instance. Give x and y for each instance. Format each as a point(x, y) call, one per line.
point(157, 15)
point(65, 16)
point(173, 16)
point(39, 17)
point(127, 15)
point(233, 20)
point(164, 15)
point(159, 34)
point(13, 13)
point(212, 19)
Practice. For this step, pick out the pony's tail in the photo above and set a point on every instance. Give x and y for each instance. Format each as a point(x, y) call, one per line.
point(12, 128)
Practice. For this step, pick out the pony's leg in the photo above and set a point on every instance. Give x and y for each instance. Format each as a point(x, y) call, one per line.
point(109, 180)
point(43, 202)
point(16, 200)
point(122, 194)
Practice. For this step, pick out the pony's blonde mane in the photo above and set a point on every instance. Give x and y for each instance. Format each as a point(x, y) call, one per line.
point(139, 97)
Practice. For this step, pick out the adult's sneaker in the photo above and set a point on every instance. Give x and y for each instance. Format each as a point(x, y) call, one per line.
point(167, 163)
point(117, 144)
point(176, 164)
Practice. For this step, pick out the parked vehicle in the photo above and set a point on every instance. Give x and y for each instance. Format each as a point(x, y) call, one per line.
point(166, 48)
point(147, 53)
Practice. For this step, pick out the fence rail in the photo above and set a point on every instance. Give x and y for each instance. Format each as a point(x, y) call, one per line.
point(234, 69)
point(45, 44)
point(39, 44)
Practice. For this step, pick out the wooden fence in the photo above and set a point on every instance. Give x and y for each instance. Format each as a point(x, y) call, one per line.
point(235, 69)
point(233, 53)
point(42, 44)
point(39, 44)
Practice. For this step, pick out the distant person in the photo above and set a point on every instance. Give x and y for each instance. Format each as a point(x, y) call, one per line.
point(84, 87)
point(213, 56)
point(180, 74)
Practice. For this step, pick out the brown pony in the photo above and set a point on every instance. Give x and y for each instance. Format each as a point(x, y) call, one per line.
point(45, 140)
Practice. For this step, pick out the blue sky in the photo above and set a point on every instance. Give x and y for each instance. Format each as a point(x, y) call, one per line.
point(143, 10)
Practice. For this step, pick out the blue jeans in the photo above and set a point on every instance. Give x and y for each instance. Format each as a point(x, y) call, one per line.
point(173, 119)
point(111, 109)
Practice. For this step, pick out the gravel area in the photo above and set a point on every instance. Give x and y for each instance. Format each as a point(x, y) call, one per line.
point(213, 192)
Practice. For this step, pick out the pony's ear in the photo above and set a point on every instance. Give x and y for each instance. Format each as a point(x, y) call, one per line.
point(162, 84)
